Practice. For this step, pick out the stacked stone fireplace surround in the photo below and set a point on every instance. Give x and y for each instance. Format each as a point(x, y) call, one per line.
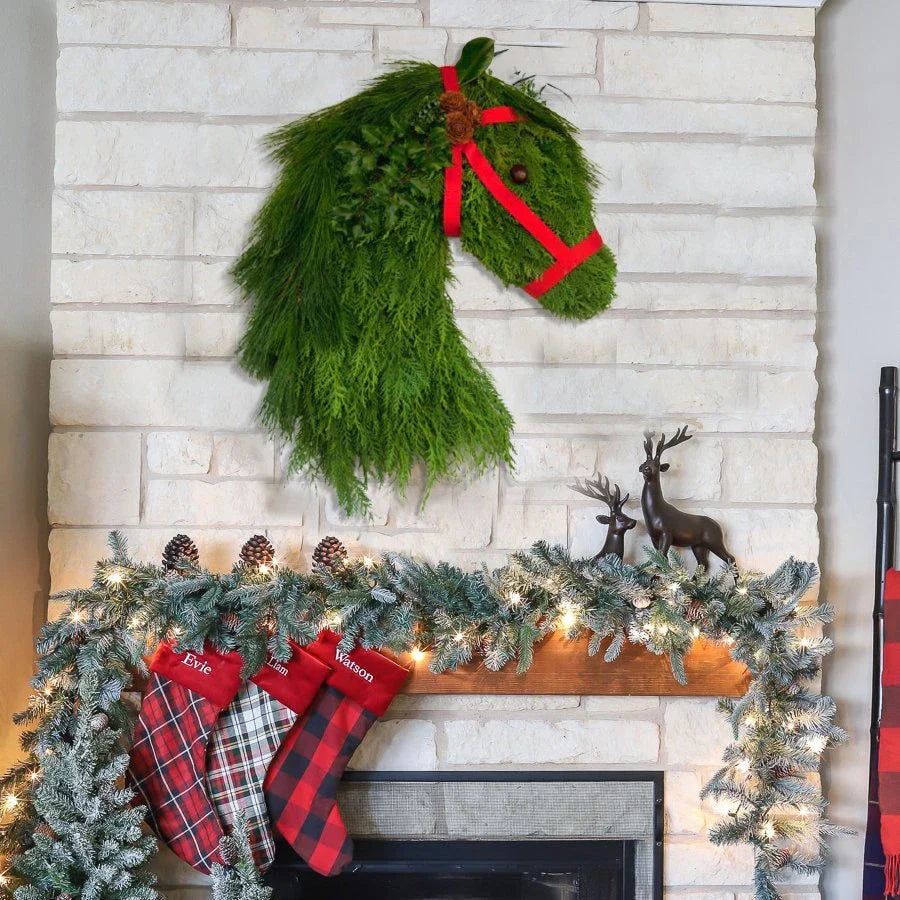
point(703, 120)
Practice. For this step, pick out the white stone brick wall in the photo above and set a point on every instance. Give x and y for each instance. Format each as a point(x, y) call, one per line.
point(702, 119)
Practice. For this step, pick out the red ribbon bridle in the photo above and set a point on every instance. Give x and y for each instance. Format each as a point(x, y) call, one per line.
point(565, 258)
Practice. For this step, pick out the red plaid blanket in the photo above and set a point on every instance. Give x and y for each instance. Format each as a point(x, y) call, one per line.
point(889, 749)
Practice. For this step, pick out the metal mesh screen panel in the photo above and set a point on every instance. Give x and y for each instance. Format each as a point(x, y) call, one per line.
point(506, 811)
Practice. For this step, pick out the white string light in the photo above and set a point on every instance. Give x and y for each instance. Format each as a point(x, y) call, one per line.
point(817, 743)
point(417, 653)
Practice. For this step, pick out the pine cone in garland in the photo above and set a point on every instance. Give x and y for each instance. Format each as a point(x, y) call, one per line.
point(641, 601)
point(695, 610)
point(99, 721)
point(45, 831)
point(257, 552)
point(330, 553)
point(179, 548)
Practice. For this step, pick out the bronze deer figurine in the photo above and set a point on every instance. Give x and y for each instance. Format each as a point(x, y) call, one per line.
point(617, 520)
point(668, 526)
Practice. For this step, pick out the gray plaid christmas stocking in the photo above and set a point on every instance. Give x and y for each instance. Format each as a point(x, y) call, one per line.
point(246, 736)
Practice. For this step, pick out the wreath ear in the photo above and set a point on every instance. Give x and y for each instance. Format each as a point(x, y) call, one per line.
point(474, 59)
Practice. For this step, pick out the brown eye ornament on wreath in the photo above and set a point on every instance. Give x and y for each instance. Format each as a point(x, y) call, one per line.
point(519, 173)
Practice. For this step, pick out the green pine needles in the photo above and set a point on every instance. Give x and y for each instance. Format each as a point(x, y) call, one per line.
point(347, 271)
point(71, 829)
point(91, 843)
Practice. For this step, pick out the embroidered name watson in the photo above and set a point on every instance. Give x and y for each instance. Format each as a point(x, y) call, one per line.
point(345, 660)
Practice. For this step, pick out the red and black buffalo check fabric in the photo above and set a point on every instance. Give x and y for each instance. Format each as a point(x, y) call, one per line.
point(889, 744)
point(301, 784)
point(246, 736)
point(185, 694)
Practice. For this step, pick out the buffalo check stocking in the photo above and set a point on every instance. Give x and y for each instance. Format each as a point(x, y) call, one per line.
point(185, 695)
point(248, 733)
point(301, 784)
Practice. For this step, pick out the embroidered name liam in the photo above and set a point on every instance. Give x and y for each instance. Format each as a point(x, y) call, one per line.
point(203, 667)
point(280, 668)
point(345, 660)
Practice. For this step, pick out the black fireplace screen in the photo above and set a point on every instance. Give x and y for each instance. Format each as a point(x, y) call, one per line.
point(493, 836)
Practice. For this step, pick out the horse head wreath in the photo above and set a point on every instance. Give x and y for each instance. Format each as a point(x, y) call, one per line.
point(348, 265)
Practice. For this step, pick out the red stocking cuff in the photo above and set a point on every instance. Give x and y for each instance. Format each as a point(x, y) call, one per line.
point(366, 676)
point(295, 682)
point(214, 675)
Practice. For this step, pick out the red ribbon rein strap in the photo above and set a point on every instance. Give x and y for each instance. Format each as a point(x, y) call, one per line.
point(565, 258)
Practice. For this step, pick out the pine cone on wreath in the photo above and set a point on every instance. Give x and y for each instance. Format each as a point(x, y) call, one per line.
point(45, 831)
point(330, 553)
point(65, 896)
point(179, 548)
point(258, 552)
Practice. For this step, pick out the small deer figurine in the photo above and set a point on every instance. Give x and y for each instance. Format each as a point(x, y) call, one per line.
point(618, 521)
point(667, 525)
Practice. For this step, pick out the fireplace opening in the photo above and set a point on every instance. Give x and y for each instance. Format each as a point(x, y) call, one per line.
point(492, 836)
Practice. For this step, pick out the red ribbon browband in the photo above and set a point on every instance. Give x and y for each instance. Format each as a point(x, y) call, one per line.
point(565, 258)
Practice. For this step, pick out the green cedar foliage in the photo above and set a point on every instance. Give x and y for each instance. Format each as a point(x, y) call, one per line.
point(347, 269)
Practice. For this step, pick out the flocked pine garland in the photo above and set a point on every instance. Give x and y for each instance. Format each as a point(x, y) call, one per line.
point(68, 830)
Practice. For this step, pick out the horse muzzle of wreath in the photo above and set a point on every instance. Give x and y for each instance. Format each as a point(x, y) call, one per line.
point(348, 267)
point(463, 117)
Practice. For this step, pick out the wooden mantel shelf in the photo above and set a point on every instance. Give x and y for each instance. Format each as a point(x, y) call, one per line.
point(561, 666)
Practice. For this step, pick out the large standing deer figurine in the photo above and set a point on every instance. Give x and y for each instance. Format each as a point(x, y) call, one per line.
point(671, 527)
point(618, 521)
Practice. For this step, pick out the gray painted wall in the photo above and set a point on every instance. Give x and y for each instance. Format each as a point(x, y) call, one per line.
point(859, 331)
point(27, 74)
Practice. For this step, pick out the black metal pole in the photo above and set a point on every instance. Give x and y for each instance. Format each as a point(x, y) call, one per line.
point(884, 547)
point(873, 877)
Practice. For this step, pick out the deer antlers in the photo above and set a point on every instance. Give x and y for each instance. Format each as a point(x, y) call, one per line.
point(680, 437)
point(599, 490)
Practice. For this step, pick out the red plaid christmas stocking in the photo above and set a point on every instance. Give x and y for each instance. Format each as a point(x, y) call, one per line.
point(301, 784)
point(245, 739)
point(185, 695)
